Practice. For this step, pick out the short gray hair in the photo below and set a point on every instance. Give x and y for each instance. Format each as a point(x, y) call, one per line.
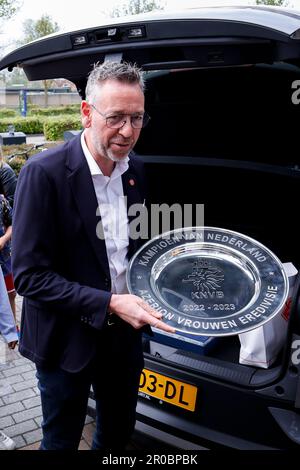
point(122, 72)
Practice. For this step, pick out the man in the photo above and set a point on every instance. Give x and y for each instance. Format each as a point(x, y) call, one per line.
point(79, 325)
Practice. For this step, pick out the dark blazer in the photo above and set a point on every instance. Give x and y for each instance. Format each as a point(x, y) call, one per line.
point(8, 181)
point(60, 265)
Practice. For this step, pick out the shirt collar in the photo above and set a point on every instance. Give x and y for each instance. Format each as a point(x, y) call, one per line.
point(119, 169)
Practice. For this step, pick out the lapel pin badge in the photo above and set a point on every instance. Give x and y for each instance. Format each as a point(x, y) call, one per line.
point(131, 182)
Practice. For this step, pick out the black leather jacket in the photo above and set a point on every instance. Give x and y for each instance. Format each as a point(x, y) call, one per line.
point(8, 181)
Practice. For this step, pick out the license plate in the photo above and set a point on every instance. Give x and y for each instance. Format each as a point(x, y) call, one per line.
point(170, 390)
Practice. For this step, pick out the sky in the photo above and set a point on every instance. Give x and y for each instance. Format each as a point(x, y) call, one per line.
point(70, 16)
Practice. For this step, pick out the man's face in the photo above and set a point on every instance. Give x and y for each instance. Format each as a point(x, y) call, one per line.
point(112, 98)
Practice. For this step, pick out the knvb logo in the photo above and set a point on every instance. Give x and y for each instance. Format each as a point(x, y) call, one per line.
point(207, 280)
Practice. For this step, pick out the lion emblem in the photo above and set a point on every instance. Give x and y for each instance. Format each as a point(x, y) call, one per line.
point(205, 279)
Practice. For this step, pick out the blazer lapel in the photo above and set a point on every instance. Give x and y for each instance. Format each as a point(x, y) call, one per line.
point(82, 188)
point(131, 191)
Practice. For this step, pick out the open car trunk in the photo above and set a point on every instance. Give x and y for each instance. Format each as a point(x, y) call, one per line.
point(226, 138)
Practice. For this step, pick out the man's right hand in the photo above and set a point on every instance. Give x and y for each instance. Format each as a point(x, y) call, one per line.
point(137, 312)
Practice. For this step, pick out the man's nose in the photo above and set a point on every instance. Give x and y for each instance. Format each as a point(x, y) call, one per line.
point(126, 130)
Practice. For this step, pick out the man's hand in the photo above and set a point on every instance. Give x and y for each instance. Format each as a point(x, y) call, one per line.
point(137, 312)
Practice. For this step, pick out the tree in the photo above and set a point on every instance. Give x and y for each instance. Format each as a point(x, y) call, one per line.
point(39, 28)
point(8, 8)
point(134, 7)
point(276, 3)
point(35, 30)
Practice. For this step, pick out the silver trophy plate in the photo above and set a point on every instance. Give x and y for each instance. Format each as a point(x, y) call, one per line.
point(209, 281)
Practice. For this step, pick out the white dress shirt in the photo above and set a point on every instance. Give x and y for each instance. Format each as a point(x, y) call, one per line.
point(113, 210)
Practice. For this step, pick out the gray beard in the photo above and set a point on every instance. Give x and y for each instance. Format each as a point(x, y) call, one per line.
point(106, 153)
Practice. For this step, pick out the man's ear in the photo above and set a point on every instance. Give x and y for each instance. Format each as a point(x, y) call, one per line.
point(85, 114)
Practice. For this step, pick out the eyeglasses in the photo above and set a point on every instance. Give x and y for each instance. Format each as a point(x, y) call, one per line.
point(117, 121)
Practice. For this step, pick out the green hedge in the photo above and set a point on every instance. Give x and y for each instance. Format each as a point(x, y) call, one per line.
point(7, 112)
point(54, 127)
point(28, 125)
point(55, 111)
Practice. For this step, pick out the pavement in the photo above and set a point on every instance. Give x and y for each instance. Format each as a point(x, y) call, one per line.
point(20, 405)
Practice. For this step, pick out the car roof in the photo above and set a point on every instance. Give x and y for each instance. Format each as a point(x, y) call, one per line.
point(281, 19)
point(165, 39)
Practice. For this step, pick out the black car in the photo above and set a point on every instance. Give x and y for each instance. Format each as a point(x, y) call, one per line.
point(223, 93)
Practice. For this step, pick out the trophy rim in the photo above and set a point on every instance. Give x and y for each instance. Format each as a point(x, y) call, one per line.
point(230, 250)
